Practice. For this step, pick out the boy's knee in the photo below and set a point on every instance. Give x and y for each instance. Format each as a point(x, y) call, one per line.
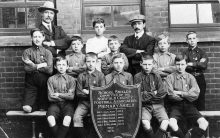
point(67, 121)
point(146, 124)
point(164, 124)
point(173, 124)
point(51, 120)
point(78, 121)
point(203, 123)
point(27, 108)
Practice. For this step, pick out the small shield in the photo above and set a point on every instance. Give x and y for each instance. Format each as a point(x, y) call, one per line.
point(116, 110)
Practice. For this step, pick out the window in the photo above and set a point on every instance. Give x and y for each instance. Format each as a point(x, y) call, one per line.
point(194, 13)
point(116, 13)
point(17, 17)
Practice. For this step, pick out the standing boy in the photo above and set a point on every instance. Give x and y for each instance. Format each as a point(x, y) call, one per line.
point(76, 59)
point(153, 94)
point(98, 44)
point(197, 64)
point(61, 91)
point(164, 60)
point(38, 63)
point(139, 42)
point(118, 73)
point(90, 77)
point(114, 45)
point(182, 91)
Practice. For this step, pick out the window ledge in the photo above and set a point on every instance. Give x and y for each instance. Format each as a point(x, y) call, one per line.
point(15, 41)
point(204, 36)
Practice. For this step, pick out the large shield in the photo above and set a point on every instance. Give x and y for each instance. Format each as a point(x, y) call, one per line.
point(116, 110)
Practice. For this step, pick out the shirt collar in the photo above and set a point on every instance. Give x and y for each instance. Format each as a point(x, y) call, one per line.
point(167, 53)
point(111, 54)
point(195, 49)
point(94, 73)
point(37, 47)
point(179, 76)
point(139, 35)
point(143, 72)
point(117, 73)
point(46, 25)
point(76, 54)
point(58, 75)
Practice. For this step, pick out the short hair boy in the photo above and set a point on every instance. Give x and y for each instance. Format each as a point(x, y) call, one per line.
point(153, 94)
point(163, 59)
point(114, 45)
point(76, 59)
point(182, 91)
point(197, 64)
point(61, 91)
point(90, 77)
point(38, 65)
point(118, 73)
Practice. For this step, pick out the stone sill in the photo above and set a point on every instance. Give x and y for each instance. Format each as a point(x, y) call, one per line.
point(175, 37)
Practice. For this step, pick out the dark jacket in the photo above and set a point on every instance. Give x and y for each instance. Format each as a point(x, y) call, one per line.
point(130, 46)
point(60, 38)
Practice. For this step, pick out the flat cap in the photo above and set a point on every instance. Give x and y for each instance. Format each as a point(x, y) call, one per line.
point(137, 17)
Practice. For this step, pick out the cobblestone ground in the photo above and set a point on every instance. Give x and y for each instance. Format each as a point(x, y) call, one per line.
point(22, 127)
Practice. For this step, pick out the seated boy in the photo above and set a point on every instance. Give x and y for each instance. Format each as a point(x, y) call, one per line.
point(114, 45)
point(77, 58)
point(153, 93)
point(90, 77)
point(163, 60)
point(182, 91)
point(61, 91)
point(118, 73)
point(38, 65)
point(98, 44)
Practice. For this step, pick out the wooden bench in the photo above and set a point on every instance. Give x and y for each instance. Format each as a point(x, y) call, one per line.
point(207, 115)
point(24, 114)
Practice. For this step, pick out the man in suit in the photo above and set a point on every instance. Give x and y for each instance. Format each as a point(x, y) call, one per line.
point(137, 43)
point(56, 40)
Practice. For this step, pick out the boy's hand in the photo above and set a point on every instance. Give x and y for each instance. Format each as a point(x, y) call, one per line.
point(41, 65)
point(190, 64)
point(56, 94)
point(155, 92)
point(47, 43)
point(178, 92)
point(28, 61)
point(202, 60)
point(161, 69)
point(85, 91)
point(139, 51)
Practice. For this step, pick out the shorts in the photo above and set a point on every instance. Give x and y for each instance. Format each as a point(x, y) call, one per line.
point(184, 109)
point(156, 110)
point(81, 111)
point(60, 109)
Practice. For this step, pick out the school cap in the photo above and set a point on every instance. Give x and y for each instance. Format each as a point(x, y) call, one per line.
point(137, 17)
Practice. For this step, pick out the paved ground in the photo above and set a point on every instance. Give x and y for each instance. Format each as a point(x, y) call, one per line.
point(22, 128)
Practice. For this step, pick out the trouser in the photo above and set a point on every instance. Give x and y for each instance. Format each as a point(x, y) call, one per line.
point(200, 102)
point(35, 94)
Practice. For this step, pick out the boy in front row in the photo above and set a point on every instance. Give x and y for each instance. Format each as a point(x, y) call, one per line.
point(76, 59)
point(118, 73)
point(182, 91)
point(153, 93)
point(114, 45)
point(61, 91)
point(90, 77)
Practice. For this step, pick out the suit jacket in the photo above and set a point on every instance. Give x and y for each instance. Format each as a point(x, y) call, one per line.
point(60, 38)
point(131, 45)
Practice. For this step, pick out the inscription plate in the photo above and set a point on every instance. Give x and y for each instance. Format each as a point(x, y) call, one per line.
point(116, 110)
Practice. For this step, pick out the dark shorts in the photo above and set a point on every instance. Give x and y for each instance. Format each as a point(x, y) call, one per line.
point(61, 109)
point(184, 108)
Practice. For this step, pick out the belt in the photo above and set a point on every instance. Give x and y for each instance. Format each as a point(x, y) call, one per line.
point(196, 73)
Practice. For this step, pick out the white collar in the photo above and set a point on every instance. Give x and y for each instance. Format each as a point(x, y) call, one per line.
point(46, 25)
point(139, 34)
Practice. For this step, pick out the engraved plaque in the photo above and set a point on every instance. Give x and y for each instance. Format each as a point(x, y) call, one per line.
point(116, 110)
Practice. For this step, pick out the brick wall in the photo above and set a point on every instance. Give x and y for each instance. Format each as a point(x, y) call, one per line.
point(12, 75)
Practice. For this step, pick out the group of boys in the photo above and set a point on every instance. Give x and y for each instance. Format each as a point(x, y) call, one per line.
point(161, 75)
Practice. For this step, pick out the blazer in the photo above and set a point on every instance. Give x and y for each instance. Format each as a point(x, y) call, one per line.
point(60, 38)
point(129, 47)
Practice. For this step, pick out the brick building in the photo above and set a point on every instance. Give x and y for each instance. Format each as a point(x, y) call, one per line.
point(170, 16)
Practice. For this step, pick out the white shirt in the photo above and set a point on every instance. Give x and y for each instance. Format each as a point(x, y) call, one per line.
point(98, 45)
point(47, 25)
point(139, 35)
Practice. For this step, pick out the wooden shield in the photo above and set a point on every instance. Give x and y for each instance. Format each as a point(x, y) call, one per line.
point(116, 110)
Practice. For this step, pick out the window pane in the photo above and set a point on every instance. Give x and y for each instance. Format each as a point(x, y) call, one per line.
point(122, 14)
point(8, 17)
point(32, 17)
point(183, 14)
point(209, 13)
point(97, 11)
point(21, 17)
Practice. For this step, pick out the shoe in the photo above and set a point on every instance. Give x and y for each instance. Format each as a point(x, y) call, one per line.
point(41, 135)
point(188, 134)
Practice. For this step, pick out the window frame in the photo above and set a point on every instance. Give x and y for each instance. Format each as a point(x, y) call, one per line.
point(196, 27)
point(109, 30)
point(22, 4)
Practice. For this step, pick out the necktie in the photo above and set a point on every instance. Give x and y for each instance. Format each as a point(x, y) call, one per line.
point(137, 37)
point(49, 28)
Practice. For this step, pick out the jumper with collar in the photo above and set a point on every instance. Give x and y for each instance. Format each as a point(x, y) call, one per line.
point(60, 38)
point(131, 44)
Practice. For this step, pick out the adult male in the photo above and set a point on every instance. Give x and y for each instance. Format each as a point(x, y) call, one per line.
point(56, 40)
point(139, 42)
